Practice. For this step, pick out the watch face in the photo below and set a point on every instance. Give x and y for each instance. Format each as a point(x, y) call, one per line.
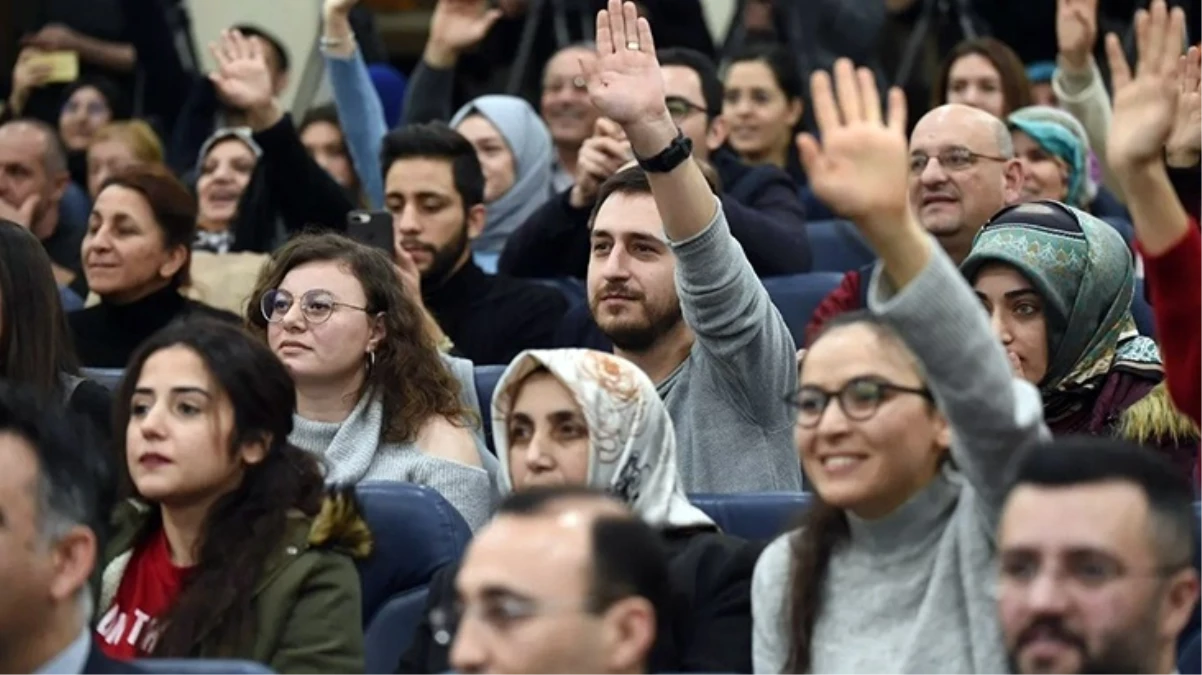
point(671, 157)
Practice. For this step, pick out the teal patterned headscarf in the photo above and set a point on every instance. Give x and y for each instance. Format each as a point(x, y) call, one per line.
point(1063, 137)
point(1085, 273)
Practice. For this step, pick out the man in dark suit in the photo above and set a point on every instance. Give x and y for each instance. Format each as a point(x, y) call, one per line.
point(56, 490)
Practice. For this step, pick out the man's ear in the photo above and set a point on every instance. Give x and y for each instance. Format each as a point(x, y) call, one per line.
point(74, 558)
point(630, 627)
point(716, 134)
point(1012, 175)
point(477, 217)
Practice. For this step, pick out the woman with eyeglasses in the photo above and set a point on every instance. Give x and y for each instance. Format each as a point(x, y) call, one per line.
point(1057, 284)
point(137, 257)
point(374, 398)
point(907, 416)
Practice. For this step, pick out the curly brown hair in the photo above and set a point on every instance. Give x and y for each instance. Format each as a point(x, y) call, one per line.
point(1016, 87)
point(413, 382)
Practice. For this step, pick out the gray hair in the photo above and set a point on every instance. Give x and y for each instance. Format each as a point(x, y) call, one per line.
point(54, 154)
point(58, 511)
point(1001, 135)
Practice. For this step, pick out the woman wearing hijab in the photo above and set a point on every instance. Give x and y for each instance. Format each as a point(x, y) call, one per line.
point(1058, 284)
point(515, 151)
point(577, 416)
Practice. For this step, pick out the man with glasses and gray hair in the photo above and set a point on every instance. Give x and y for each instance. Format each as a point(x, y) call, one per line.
point(1095, 548)
point(56, 491)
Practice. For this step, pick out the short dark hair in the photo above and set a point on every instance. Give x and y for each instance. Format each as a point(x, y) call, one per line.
point(76, 475)
point(780, 61)
point(1082, 460)
point(628, 555)
point(436, 140)
point(326, 112)
point(251, 30)
point(707, 72)
point(633, 181)
point(171, 203)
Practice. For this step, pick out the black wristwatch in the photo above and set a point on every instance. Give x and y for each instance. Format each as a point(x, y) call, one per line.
point(670, 157)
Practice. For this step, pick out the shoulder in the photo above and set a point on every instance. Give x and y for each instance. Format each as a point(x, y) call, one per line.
point(716, 559)
point(194, 309)
point(441, 438)
point(772, 568)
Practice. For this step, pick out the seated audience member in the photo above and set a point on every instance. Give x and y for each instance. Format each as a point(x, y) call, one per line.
point(962, 171)
point(515, 154)
point(88, 105)
point(1039, 74)
point(672, 289)
point(1095, 548)
point(906, 417)
point(1057, 284)
point(33, 179)
point(760, 202)
point(136, 257)
point(223, 174)
point(1168, 238)
point(983, 73)
point(322, 134)
point(374, 399)
point(56, 501)
point(228, 545)
point(557, 547)
point(576, 417)
point(118, 145)
point(35, 344)
point(762, 105)
point(1055, 154)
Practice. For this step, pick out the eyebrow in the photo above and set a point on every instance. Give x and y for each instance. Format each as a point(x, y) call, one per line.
point(176, 390)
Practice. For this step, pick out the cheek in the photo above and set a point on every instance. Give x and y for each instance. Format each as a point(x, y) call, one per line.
point(573, 461)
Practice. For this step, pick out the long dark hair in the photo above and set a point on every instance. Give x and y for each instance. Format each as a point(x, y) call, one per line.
point(35, 344)
point(822, 529)
point(244, 527)
point(413, 382)
point(1016, 87)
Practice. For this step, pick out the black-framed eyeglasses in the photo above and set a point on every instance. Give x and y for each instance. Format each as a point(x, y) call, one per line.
point(859, 399)
point(316, 305)
point(951, 159)
point(496, 614)
point(680, 107)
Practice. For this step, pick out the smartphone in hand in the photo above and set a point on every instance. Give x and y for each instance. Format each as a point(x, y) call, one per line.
point(64, 65)
point(373, 228)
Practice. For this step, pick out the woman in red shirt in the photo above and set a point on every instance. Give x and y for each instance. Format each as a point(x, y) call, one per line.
point(227, 546)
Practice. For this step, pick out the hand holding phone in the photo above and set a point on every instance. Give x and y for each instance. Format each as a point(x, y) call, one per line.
point(63, 66)
point(373, 228)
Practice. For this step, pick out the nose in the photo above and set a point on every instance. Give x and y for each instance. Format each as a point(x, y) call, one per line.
point(1046, 595)
point(294, 319)
point(615, 266)
point(96, 242)
point(832, 421)
point(537, 456)
point(151, 425)
point(406, 221)
point(1001, 327)
point(467, 649)
point(933, 173)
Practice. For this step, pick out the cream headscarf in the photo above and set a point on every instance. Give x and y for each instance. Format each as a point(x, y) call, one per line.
point(632, 444)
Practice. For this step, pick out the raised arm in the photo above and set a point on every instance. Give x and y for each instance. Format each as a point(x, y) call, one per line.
point(455, 27)
point(860, 170)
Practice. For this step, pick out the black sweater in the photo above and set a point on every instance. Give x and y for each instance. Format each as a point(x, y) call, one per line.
point(107, 335)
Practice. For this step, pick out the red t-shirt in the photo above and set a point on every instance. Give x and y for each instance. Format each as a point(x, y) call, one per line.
point(148, 588)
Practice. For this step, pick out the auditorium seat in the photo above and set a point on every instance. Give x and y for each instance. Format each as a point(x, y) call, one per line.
point(836, 246)
point(753, 515)
point(486, 381)
point(797, 296)
point(200, 666)
point(109, 378)
point(414, 533)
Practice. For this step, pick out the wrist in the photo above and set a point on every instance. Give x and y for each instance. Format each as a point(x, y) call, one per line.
point(1075, 63)
point(1134, 177)
point(263, 117)
point(440, 56)
point(652, 136)
point(578, 198)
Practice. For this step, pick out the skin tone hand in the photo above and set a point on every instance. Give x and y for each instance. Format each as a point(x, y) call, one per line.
point(1145, 108)
point(336, 26)
point(54, 37)
point(22, 214)
point(243, 79)
point(1184, 147)
point(861, 166)
point(1076, 33)
point(411, 283)
point(601, 156)
point(28, 74)
point(456, 26)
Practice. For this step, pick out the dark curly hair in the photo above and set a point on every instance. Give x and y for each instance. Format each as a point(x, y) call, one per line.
point(244, 527)
point(413, 382)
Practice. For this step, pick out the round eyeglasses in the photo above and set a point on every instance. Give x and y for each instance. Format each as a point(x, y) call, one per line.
point(859, 399)
point(316, 306)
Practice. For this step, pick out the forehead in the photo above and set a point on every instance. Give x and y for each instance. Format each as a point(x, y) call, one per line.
point(973, 65)
point(751, 74)
point(684, 82)
point(476, 126)
point(1110, 516)
point(543, 393)
point(625, 215)
point(110, 147)
point(18, 479)
point(535, 556)
point(229, 148)
point(1000, 274)
point(852, 351)
point(116, 199)
point(328, 275)
point(418, 175)
point(954, 126)
point(21, 144)
point(566, 63)
point(175, 366)
point(87, 93)
point(320, 131)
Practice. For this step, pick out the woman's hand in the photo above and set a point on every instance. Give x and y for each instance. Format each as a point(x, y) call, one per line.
point(243, 78)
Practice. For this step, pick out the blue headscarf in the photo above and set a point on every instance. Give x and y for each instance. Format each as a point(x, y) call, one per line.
point(1055, 135)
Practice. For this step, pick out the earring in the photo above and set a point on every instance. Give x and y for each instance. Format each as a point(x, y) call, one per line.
point(371, 360)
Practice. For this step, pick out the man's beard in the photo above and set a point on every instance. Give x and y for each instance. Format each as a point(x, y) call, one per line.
point(1128, 651)
point(443, 259)
point(638, 335)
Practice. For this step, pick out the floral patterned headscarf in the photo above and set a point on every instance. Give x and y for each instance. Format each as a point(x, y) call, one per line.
point(632, 443)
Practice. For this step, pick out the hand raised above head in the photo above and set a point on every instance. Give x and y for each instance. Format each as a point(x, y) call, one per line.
point(860, 168)
point(625, 83)
point(242, 76)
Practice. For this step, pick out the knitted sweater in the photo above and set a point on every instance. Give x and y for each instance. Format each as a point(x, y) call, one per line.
point(910, 592)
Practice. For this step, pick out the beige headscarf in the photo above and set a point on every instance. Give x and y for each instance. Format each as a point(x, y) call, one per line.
point(632, 444)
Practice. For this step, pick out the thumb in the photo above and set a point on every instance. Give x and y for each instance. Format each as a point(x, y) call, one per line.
point(28, 207)
point(490, 17)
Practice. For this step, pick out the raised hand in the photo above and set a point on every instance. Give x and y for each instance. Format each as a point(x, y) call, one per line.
point(343, 7)
point(457, 25)
point(54, 37)
point(21, 214)
point(1184, 147)
point(29, 73)
point(861, 166)
point(601, 156)
point(407, 271)
point(1076, 31)
point(242, 77)
point(1145, 105)
point(625, 83)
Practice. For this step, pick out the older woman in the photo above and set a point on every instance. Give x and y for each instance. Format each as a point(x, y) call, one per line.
point(1058, 284)
point(136, 257)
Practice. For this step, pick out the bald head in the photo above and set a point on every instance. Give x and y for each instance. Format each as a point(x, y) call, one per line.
point(969, 173)
point(33, 170)
point(51, 152)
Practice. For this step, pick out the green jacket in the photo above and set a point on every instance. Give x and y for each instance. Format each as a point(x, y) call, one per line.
point(308, 597)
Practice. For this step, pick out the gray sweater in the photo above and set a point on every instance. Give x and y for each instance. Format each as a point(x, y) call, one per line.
point(910, 592)
point(726, 400)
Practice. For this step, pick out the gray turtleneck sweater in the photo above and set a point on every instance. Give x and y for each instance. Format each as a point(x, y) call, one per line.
point(910, 592)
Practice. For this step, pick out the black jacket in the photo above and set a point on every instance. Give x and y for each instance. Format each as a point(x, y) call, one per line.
point(710, 627)
point(99, 664)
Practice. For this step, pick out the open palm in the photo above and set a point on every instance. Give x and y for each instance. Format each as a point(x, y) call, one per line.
point(242, 77)
point(1145, 105)
point(1186, 138)
point(625, 84)
point(860, 168)
point(459, 24)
